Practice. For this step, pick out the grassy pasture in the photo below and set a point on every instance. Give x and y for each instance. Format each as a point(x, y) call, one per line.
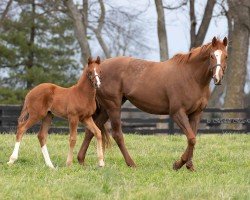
point(222, 163)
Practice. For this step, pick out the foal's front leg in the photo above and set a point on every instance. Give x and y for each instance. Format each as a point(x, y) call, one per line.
point(97, 133)
point(73, 123)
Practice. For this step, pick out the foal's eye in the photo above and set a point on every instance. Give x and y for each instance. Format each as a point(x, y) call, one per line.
point(211, 56)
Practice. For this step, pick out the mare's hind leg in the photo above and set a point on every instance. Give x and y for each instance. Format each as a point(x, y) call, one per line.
point(21, 129)
point(73, 123)
point(42, 137)
point(182, 120)
point(96, 131)
point(100, 119)
point(194, 120)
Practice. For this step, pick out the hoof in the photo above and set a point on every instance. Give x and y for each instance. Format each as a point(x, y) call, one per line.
point(190, 166)
point(80, 160)
point(51, 166)
point(177, 165)
point(101, 164)
point(68, 163)
point(12, 160)
point(131, 164)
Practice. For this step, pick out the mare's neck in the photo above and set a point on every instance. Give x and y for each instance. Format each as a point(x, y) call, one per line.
point(200, 69)
point(84, 85)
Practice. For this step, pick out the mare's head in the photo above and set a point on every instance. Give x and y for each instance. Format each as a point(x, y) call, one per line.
point(218, 58)
point(94, 72)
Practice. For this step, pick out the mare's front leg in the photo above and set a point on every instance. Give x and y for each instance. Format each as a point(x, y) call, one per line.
point(115, 119)
point(194, 120)
point(73, 123)
point(97, 133)
point(181, 118)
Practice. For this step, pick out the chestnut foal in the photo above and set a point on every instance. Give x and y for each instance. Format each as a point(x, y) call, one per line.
point(76, 103)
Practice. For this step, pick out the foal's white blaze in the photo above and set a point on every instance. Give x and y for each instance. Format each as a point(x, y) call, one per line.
point(97, 79)
point(46, 157)
point(14, 155)
point(217, 54)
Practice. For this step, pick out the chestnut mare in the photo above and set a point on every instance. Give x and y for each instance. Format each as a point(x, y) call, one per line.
point(178, 87)
point(76, 103)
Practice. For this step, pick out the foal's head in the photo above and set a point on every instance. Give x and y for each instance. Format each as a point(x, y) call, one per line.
point(94, 72)
point(218, 58)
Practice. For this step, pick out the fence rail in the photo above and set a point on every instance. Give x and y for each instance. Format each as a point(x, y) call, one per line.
point(134, 120)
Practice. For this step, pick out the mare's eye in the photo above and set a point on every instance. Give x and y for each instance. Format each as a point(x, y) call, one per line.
point(211, 56)
point(226, 57)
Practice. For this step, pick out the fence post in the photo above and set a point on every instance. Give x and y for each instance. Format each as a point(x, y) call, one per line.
point(171, 126)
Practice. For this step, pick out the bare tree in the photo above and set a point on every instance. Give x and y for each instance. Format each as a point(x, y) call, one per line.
point(5, 11)
point(162, 33)
point(198, 38)
point(98, 30)
point(80, 29)
point(238, 53)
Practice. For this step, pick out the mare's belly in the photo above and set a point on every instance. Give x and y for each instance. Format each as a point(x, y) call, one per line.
point(152, 105)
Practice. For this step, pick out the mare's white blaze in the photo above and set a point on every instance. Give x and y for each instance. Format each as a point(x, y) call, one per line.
point(217, 54)
point(14, 155)
point(46, 157)
point(97, 79)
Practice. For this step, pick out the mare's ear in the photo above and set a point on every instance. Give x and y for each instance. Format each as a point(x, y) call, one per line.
point(89, 60)
point(214, 41)
point(98, 60)
point(225, 41)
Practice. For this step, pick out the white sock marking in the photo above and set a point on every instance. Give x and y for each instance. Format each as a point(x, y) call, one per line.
point(46, 157)
point(217, 54)
point(97, 78)
point(14, 155)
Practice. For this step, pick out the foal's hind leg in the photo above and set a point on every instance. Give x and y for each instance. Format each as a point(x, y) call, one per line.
point(182, 120)
point(42, 136)
point(96, 131)
point(73, 123)
point(21, 129)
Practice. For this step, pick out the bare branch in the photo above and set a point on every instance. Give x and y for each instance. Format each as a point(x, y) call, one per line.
point(184, 3)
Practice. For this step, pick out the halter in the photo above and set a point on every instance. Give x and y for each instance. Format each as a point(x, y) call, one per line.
point(211, 68)
point(91, 78)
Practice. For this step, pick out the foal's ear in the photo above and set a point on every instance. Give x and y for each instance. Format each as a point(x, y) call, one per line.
point(98, 60)
point(214, 41)
point(89, 60)
point(225, 41)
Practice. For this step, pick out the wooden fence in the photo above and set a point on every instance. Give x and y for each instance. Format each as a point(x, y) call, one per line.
point(136, 121)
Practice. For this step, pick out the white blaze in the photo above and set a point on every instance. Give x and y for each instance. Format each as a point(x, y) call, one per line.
point(97, 79)
point(217, 54)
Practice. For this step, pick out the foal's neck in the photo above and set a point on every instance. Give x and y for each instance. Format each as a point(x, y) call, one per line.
point(84, 85)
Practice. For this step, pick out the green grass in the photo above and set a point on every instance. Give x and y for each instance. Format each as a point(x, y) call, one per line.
point(222, 170)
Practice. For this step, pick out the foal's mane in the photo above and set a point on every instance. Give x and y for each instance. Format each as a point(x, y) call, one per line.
point(185, 57)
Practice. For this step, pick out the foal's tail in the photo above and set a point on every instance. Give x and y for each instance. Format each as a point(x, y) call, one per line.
point(24, 114)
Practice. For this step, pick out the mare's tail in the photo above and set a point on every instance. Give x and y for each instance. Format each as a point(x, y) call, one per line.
point(106, 140)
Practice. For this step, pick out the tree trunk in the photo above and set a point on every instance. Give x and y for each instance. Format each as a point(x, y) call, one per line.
point(238, 52)
point(30, 60)
point(197, 39)
point(162, 34)
point(79, 29)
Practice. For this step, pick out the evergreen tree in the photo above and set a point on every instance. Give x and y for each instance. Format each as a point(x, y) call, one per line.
point(37, 46)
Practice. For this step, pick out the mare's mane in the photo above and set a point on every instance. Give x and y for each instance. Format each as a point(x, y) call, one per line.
point(185, 57)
